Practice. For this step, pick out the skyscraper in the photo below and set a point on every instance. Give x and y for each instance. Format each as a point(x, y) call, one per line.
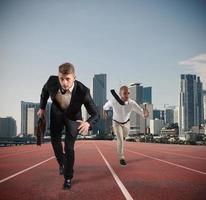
point(200, 104)
point(136, 93)
point(99, 97)
point(204, 104)
point(141, 95)
point(7, 127)
point(147, 95)
point(169, 115)
point(176, 114)
point(29, 117)
point(24, 115)
point(158, 114)
point(190, 102)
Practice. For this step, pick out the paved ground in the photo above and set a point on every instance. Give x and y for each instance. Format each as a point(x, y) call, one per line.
point(154, 171)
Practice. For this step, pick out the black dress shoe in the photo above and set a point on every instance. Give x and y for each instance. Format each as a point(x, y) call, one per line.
point(61, 169)
point(122, 162)
point(67, 184)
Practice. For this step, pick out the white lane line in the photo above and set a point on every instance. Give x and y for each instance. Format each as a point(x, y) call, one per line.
point(25, 170)
point(185, 155)
point(118, 181)
point(164, 161)
point(33, 166)
point(20, 153)
point(180, 154)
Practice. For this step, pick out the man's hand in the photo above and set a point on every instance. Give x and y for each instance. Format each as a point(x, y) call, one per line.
point(41, 113)
point(105, 115)
point(83, 127)
point(145, 113)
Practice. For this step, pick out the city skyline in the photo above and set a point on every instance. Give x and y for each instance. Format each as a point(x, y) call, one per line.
point(36, 104)
point(130, 41)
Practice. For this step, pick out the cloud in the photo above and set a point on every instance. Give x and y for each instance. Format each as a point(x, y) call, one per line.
point(197, 65)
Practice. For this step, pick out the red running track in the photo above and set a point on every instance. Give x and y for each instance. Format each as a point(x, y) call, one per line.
point(154, 171)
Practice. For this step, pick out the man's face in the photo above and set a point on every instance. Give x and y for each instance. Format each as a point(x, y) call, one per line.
point(66, 80)
point(124, 94)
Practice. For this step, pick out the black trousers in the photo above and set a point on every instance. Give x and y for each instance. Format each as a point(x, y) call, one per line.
point(58, 121)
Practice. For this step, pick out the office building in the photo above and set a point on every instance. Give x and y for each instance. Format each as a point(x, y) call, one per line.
point(158, 114)
point(136, 93)
point(147, 95)
point(169, 115)
point(204, 105)
point(29, 117)
point(8, 128)
point(190, 102)
point(156, 126)
point(176, 114)
point(99, 97)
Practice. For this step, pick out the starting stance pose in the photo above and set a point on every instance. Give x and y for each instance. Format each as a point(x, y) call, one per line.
point(67, 95)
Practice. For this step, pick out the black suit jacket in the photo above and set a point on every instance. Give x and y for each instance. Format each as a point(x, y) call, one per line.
point(80, 96)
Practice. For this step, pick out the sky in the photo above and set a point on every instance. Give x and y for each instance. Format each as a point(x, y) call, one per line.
point(146, 41)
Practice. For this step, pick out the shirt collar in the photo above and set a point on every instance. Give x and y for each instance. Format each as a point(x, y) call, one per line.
point(71, 88)
point(127, 102)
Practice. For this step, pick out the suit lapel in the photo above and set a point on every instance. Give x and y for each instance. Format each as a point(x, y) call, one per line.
point(73, 93)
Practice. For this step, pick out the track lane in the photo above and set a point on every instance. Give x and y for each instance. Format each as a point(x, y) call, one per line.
point(92, 180)
point(143, 177)
point(177, 158)
point(191, 150)
point(146, 178)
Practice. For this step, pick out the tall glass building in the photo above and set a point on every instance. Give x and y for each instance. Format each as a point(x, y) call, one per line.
point(204, 104)
point(147, 95)
point(190, 102)
point(200, 102)
point(99, 97)
point(141, 95)
point(136, 93)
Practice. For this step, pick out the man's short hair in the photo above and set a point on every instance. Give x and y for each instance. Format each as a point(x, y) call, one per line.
point(67, 68)
point(124, 87)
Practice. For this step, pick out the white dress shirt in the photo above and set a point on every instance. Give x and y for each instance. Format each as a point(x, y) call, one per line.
point(121, 113)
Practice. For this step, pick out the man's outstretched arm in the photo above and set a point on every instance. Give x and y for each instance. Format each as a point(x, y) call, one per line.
point(137, 108)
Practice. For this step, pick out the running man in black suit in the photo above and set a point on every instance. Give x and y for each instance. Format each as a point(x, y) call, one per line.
point(67, 95)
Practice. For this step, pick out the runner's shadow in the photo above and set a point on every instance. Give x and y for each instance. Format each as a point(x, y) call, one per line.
point(76, 181)
point(137, 160)
point(90, 179)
